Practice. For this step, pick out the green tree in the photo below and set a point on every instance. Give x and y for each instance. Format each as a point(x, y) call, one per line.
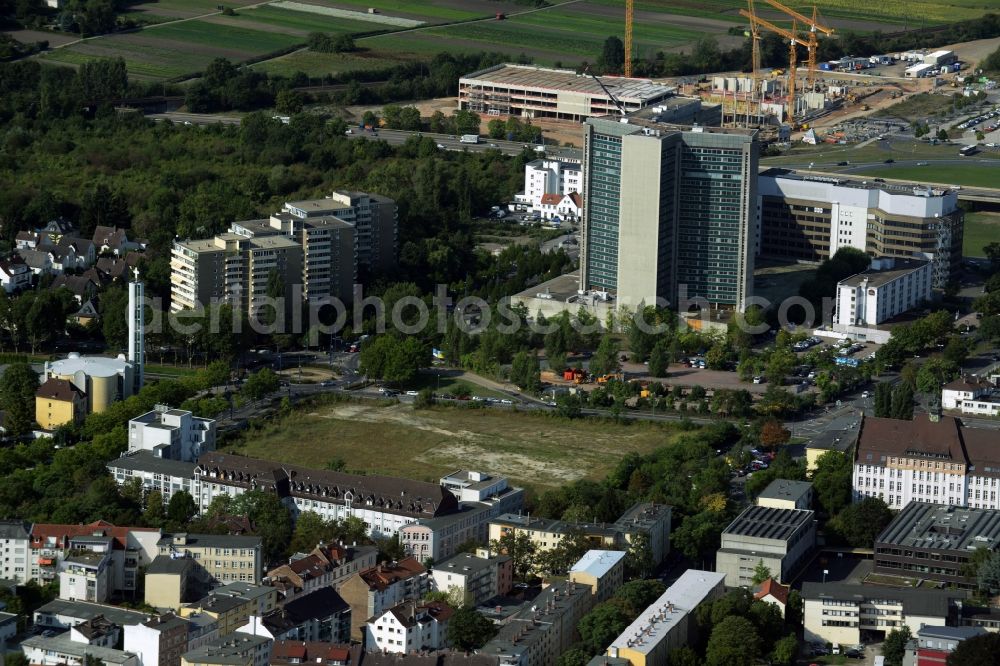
point(519, 547)
point(154, 515)
point(683, 656)
point(603, 624)
point(525, 372)
point(785, 651)
point(760, 573)
point(861, 522)
point(659, 358)
point(883, 399)
point(468, 629)
point(393, 359)
point(894, 646)
point(832, 482)
point(978, 650)
point(605, 359)
point(576, 655)
point(262, 383)
point(956, 350)
point(424, 399)
point(733, 642)
point(344, 43)
point(612, 57)
point(18, 385)
point(181, 508)
point(289, 102)
point(114, 317)
point(271, 518)
point(988, 574)
point(902, 402)
point(637, 595)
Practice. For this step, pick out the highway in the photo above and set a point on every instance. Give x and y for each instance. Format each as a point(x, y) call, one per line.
point(855, 171)
point(391, 137)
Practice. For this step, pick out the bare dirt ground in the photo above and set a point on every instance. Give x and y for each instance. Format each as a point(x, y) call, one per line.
point(974, 51)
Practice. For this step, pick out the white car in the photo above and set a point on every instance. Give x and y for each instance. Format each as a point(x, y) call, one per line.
point(757, 380)
point(865, 394)
point(412, 393)
point(441, 146)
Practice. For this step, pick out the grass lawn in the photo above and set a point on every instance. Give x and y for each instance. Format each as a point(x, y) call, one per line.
point(171, 370)
point(396, 440)
point(970, 176)
point(980, 230)
point(453, 385)
point(918, 107)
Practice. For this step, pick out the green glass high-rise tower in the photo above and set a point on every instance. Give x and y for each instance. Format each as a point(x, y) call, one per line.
point(669, 212)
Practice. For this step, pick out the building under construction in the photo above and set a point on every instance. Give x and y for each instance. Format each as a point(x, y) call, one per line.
point(538, 92)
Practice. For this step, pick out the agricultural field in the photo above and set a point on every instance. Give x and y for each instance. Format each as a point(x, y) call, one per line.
point(539, 451)
point(981, 229)
point(321, 64)
point(181, 36)
point(178, 48)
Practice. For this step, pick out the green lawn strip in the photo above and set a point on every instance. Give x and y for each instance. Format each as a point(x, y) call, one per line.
point(509, 34)
point(452, 385)
point(289, 18)
point(980, 230)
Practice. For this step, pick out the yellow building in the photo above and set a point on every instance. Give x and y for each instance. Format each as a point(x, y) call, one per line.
point(230, 612)
point(58, 402)
point(173, 581)
point(103, 380)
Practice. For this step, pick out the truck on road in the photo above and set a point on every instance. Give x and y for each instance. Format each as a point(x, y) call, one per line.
point(469, 138)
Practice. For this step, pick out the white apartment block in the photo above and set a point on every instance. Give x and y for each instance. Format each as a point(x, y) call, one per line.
point(889, 288)
point(63, 651)
point(839, 613)
point(971, 396)
point(174, 434)
point(129, 549)
point(15, 537)
point(543, 177)
point(161, 474)
point(929, 459)
point(85, 577)
point(409, 627)
point(809, 218)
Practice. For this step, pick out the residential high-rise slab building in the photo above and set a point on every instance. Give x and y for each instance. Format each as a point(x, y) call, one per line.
point(669, 212)
point(320, 248)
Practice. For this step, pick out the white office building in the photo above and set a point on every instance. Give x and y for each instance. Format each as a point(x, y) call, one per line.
point(887, 289)
point(808, 218)
point(552, 177)
point(175, 434)
point(85, 577)
point(15, 537)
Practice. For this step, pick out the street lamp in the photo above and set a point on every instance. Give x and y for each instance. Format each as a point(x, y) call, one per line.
point(825, 572)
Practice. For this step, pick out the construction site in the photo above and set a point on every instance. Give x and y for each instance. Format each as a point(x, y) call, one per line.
point(806, 99)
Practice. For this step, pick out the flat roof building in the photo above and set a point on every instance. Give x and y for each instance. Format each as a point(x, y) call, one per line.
point(538, 634)
point(840, 612)
point(602, 570)
point(171, 433)
point(528, 91)
point(890, 287)
point(669, 213)
point(785, 494)
point(809, 218)
point(936, 542)
point(667, 624)
point(780, 538)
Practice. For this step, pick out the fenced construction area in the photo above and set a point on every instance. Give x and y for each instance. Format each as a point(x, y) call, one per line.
point(180, 37)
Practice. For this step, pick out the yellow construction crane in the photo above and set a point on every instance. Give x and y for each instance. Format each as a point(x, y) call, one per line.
point(793, 40)
point(629, 11)
point(754, 49)
point(813, 40)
